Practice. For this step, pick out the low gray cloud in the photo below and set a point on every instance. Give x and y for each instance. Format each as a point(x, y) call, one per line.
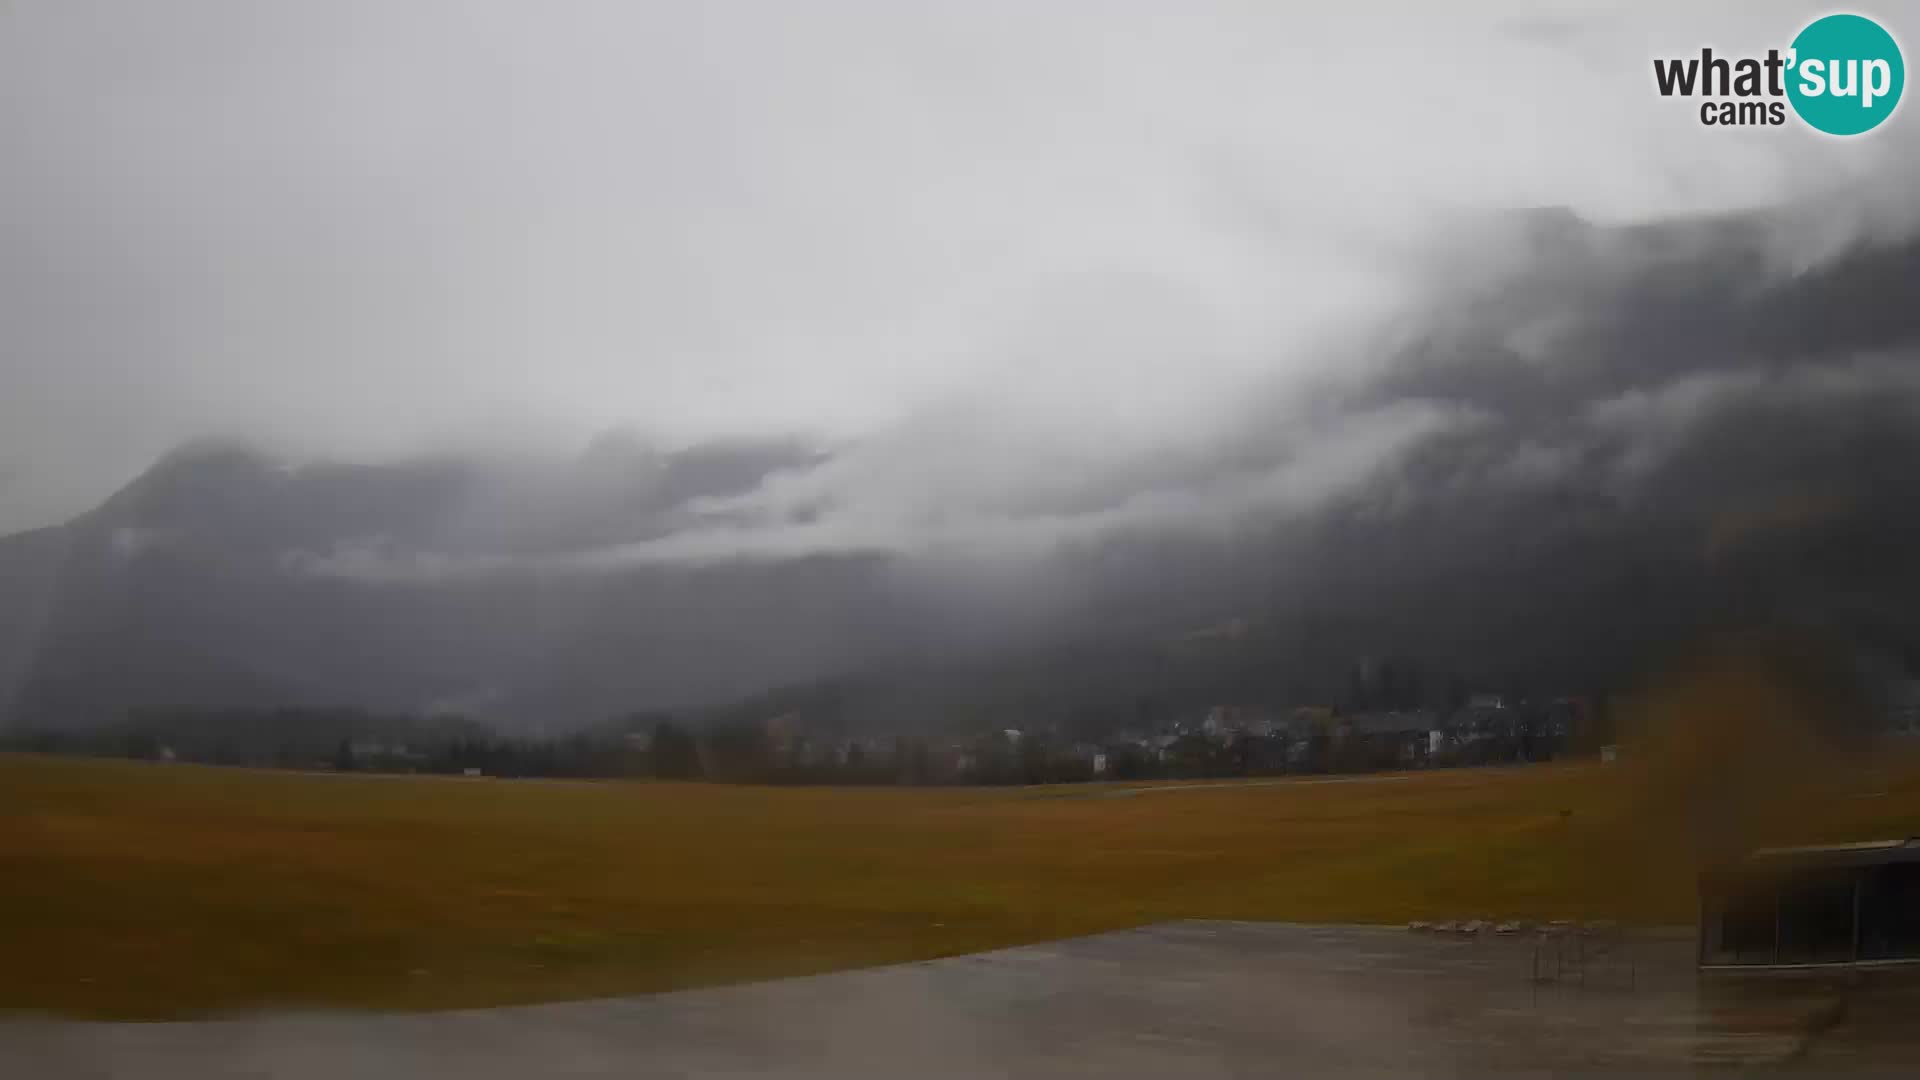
point(355, 231)
point(886, 498)
point(765, 341)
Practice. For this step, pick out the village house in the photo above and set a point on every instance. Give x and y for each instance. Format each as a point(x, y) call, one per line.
point(1385, 740)
point(382, 752)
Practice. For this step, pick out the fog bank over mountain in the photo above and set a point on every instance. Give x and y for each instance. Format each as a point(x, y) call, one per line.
point(546, 366)
point(369, 232)
point(1624, 441)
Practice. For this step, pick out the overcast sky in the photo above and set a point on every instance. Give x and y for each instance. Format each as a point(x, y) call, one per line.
point(366, 230)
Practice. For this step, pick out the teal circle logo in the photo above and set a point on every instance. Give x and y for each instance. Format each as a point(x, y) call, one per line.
point(1846, 74)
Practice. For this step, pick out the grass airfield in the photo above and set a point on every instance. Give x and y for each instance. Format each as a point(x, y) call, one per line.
point(144, 891)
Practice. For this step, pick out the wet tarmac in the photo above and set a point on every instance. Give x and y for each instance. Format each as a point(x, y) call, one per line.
point(1189, 999)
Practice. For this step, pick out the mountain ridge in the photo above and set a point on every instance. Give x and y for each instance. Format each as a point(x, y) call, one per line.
point(1646, 437)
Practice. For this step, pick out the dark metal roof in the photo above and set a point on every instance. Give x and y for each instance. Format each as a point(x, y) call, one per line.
point(1864, 853)
point(1404, 723)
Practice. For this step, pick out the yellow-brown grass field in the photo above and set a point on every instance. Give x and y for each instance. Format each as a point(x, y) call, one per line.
point(143, 890)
